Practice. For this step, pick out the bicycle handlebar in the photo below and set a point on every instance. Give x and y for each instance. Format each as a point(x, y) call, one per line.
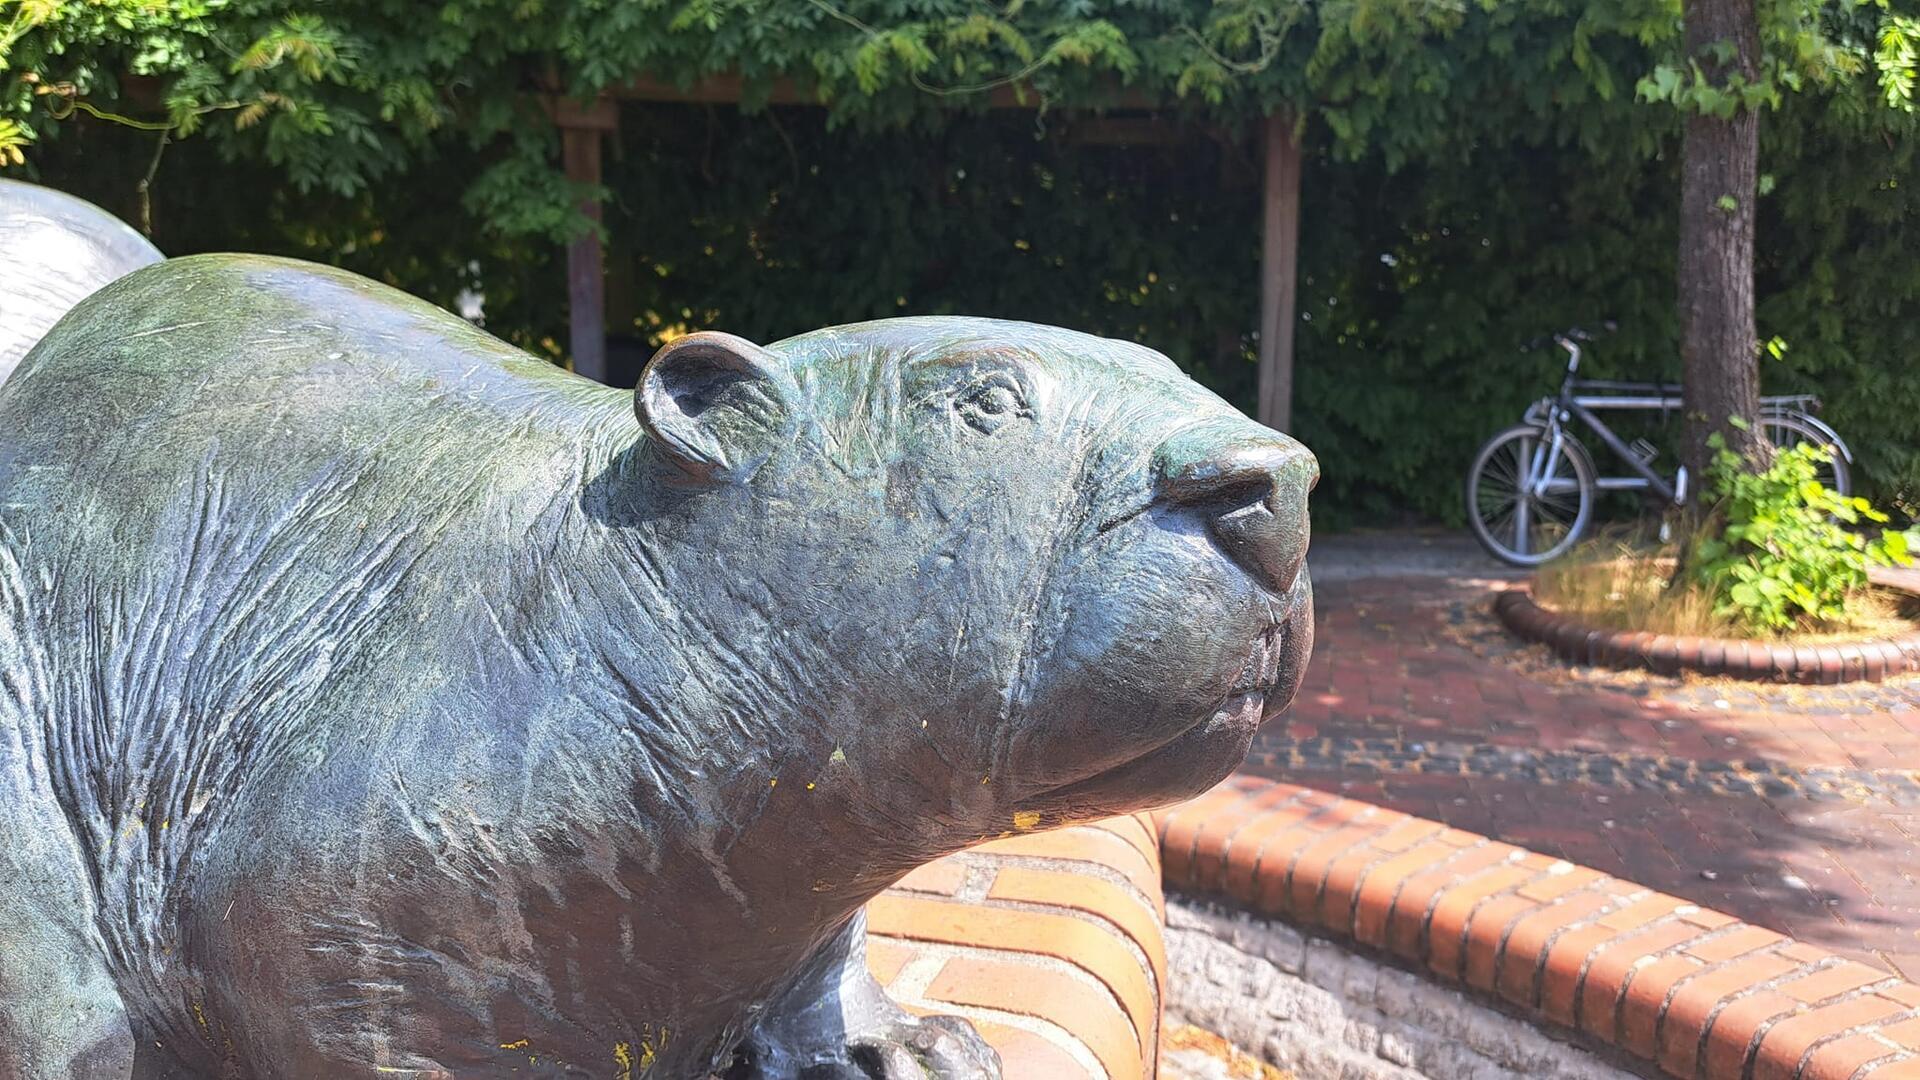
point(1571, 333)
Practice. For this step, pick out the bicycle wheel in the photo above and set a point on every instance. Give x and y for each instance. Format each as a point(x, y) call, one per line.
point(1789, 429)
point(1529, 524)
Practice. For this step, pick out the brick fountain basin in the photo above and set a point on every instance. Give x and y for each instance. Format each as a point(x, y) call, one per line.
point(1330, 938)
point(1669, 654)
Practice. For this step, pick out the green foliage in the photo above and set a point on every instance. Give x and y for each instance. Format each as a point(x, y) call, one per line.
point(1477, 173)
point(1894, 58)
point(13, 141)
point(1417, 284)
point(1783, 553)
point(345, 94)
point(99, 57)
point(348, 94)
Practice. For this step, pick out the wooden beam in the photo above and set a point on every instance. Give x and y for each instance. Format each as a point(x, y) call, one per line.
point(712, 90)
point(586, 280)
point(1279, 262)
point(600, 114)
point(730, 89)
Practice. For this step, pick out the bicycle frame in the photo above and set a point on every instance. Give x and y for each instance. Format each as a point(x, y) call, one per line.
point(1572, 404)
point(1569, 404)
point(1571, 407)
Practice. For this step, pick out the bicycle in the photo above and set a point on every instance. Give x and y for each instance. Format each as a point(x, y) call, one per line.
point(1531, 489)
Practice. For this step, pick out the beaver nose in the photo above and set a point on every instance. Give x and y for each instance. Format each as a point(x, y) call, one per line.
point(1251, 489)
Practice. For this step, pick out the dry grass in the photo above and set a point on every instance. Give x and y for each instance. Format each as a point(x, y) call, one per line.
point(1611, 584)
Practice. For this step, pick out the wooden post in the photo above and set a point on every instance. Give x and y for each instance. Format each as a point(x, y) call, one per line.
point(1279, 259)
point(586, 279)
point(581, 127)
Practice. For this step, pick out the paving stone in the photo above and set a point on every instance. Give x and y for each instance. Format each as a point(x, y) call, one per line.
point(1794, 808)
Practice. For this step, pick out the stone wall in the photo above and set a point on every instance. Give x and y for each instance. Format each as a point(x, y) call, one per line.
point(1325, 1012)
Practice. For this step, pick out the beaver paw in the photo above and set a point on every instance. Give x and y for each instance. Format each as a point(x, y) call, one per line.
point(910, 1048)
point(946, 1047)
point(837, 1023)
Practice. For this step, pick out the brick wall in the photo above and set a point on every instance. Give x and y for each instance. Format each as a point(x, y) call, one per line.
point(1051, 943)
point(1694, 992)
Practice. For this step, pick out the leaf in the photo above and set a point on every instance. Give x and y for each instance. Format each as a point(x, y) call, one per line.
point(1662, 85)
point(13, 143)
point(1895, 545)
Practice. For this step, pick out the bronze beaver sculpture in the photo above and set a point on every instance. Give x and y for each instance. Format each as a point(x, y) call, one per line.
point(54, 250)
point(378, 700)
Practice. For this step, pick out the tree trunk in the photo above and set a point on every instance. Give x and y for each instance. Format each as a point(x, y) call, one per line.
point(1720, 163)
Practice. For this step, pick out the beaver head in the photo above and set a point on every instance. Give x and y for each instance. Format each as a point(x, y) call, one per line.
point(1032, 575)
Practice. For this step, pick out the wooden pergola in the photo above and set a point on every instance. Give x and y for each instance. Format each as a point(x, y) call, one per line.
point(583, 128)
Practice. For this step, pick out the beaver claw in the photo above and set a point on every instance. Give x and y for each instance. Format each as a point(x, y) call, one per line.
point(837, 1023)
point(912, 1048)
point(940, 1046)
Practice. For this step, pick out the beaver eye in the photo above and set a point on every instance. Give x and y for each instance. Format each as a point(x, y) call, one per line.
point(989, 403)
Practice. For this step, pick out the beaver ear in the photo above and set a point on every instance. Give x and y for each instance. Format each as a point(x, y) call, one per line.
point(715, 403)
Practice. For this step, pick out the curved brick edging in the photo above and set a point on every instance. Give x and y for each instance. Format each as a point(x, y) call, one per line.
point(1051, 943)
point(1698, 993)
point(1734, 658)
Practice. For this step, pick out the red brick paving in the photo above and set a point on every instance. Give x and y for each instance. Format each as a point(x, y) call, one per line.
point(1390, 664)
